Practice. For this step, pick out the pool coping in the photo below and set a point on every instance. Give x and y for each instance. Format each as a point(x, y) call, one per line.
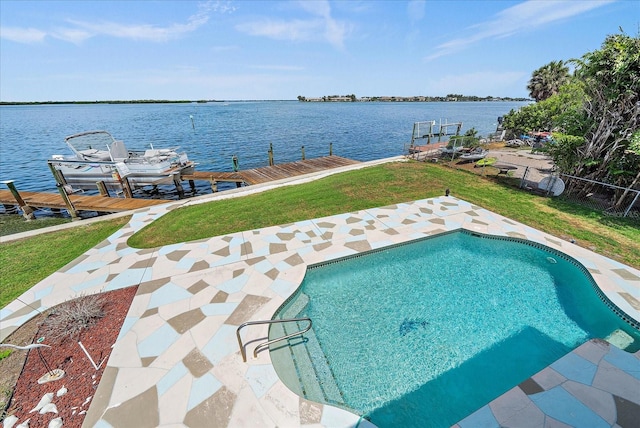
point(177, 362)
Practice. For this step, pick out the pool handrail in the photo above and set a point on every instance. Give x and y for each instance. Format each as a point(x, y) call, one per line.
point(266, 344)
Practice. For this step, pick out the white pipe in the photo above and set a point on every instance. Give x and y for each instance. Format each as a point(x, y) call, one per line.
point(89, 357)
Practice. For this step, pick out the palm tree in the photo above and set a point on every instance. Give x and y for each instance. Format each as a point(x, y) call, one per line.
point(546, 80)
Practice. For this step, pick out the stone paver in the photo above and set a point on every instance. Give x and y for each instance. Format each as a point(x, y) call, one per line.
point(176, 361)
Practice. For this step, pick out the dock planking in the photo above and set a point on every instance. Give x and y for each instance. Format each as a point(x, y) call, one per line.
point(294, 169)
point(248, 177)
point(273, 173)
point(80, 202)
point(231, 177)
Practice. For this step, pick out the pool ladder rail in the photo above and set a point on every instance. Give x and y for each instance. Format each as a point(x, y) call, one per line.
point(269, 342)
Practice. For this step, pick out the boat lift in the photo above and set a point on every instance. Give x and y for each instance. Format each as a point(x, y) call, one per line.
point(428, 130)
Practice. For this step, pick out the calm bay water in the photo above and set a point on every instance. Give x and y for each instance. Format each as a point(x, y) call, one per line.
point(29, 135)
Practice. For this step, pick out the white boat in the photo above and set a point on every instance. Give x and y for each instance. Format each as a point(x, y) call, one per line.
point(475, 154)
point(98, 157)
point(450, 149)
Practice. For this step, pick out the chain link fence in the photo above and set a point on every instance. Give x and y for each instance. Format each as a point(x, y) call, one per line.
point(613, 201)
point(536, 173)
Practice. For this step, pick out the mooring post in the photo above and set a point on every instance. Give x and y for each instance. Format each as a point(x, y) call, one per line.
point(234, 161)
point(57, 175)
point(102, 188)
point(270, 154)
point(330, 149)
point(176, 181)
point(126, 188)
point(65, 197)
point(27, 211)
point(302, 152)
point(60, 184)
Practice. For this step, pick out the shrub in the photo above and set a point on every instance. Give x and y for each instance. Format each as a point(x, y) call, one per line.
point(69, 319)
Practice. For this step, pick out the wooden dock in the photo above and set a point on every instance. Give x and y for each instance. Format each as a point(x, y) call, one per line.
point(272, 173)
point(80, 202)
point(29, 200)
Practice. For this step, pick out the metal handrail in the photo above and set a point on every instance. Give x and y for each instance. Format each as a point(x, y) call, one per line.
point(266, 344)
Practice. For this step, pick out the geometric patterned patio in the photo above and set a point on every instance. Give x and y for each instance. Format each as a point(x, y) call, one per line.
point(176, 361)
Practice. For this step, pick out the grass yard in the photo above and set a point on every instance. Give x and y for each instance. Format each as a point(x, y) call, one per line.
point(26, 262)
point(388, 184)
point(11, 223)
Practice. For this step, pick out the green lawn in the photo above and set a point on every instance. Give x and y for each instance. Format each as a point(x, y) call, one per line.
point(389, 184)
point(26, 262)
point(10, 224)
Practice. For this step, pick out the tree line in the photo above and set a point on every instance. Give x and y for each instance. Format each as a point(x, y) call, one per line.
point(414, 98)
point(593, 114)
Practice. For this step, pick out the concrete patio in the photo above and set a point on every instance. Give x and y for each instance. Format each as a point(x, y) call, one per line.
point(176, 361)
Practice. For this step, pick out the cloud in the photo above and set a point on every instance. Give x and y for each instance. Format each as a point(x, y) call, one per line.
point(416, 10)
point(133, 32)
point(522, 17)
point(223, 48)
point(295, 30)
point(321, 26)
point(278, 67)
point(73, 35)
point(319, 8)
point(145, 32)
point(77, 31)
point(22, 35)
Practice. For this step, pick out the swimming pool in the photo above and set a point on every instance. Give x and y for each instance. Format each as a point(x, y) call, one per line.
point(425, 333)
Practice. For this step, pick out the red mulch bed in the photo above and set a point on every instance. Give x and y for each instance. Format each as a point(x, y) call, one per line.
point(81, 379)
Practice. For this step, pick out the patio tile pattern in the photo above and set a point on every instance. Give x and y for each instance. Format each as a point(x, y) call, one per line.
point(596, 385)
point(176, 361)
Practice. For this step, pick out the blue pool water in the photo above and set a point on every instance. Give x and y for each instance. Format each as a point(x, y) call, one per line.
point(424, 334)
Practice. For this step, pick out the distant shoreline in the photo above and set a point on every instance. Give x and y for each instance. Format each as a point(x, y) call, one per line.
point(22, 103)
point(14, 103)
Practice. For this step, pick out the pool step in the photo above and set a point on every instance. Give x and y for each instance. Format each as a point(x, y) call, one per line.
point(314, 373)
point(323, 374)
point(282, 359)
point(297, 305)
point(301, 363)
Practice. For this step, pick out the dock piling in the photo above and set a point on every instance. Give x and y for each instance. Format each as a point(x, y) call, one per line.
point(126, 188)
point(65, 197)
point(271, 154)
point(27, 211)
point(178, 184)
point(61, 185)
point(102, 188)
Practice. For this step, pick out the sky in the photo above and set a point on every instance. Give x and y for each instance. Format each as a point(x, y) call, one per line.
point(278, 50)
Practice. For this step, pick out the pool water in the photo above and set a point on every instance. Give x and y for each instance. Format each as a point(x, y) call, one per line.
point(424, 334)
